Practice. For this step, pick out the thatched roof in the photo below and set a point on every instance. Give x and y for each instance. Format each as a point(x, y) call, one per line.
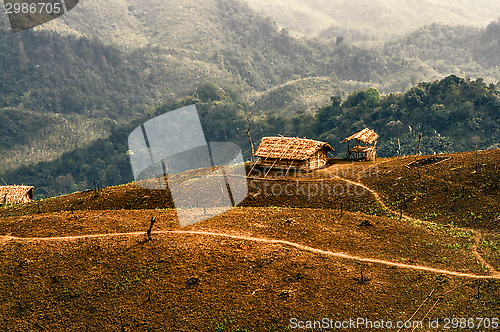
point(15, 194)
point(291, 148)
point(366, 136)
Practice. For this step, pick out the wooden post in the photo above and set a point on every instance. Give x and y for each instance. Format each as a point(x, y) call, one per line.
point(419, 138)
point(418, 154)
point(288, 168)
point(148, 232)
point(476, 158)
point(251, 169)
point(96, 188)
point(250, 138)
point(270, 168)
point(399, 148)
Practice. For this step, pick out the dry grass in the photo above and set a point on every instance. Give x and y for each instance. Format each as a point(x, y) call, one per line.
point(188, 282)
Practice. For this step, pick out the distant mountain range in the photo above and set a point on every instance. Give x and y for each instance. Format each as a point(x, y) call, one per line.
point(103, 64)
point(375, 19)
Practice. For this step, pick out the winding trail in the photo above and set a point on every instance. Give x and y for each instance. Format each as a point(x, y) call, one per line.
point(477, 237)
point(494, 275)
point(261, 240)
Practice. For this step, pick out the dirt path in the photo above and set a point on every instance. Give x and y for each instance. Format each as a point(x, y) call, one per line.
point(477, 237)
point(495, 276)
point(477, 241)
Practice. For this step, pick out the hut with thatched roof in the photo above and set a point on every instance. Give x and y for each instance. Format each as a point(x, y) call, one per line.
point(301, 153)
point(15, 194)
point(364, 146)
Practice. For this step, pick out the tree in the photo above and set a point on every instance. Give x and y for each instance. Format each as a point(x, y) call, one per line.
point(336, 101)
point(372, 97)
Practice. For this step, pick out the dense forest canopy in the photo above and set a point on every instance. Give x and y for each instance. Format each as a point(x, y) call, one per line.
point(81, 82)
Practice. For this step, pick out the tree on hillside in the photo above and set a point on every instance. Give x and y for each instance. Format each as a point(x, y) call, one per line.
point(372, 97)
point(336, 101)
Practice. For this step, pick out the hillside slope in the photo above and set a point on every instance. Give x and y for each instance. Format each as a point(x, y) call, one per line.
point(84, 262)
point(93, 79)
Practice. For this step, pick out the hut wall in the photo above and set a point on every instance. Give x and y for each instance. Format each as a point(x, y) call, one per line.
point(14, 195)
point(282, 163)
point(371, 155)
point(318, 159)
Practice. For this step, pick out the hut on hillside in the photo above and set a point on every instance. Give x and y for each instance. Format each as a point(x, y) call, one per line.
point(15, 194)
point(364, 146)
point(301, 153)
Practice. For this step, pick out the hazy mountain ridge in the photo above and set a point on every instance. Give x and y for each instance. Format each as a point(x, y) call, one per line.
point(461, 51)
point(383, 19)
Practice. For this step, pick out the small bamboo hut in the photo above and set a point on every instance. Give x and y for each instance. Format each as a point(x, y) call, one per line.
point(364, 146)
point(290, 152)
point(15, 194)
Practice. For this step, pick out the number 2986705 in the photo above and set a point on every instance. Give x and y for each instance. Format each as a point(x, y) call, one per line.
point(34, 8)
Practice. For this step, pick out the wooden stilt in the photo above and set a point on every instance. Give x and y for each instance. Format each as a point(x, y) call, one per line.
point(288, 168)
point(251, 169)
point(270, 168)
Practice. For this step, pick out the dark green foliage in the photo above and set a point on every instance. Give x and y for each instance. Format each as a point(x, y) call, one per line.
point(46, 73)
point(372, 97)
point(453, 115)
point(49, 73)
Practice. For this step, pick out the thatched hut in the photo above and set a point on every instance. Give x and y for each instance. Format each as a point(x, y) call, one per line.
point(290, 152)
point(364, 146)
point(15, 194)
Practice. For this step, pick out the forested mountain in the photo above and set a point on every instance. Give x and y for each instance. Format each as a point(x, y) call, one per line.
point(453, 114)
point(57, 93)
point(105, 64)
point(77, 86)
point(459, 50)
point(67, 75)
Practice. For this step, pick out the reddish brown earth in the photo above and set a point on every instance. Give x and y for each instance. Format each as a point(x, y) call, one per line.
point(83, 263)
